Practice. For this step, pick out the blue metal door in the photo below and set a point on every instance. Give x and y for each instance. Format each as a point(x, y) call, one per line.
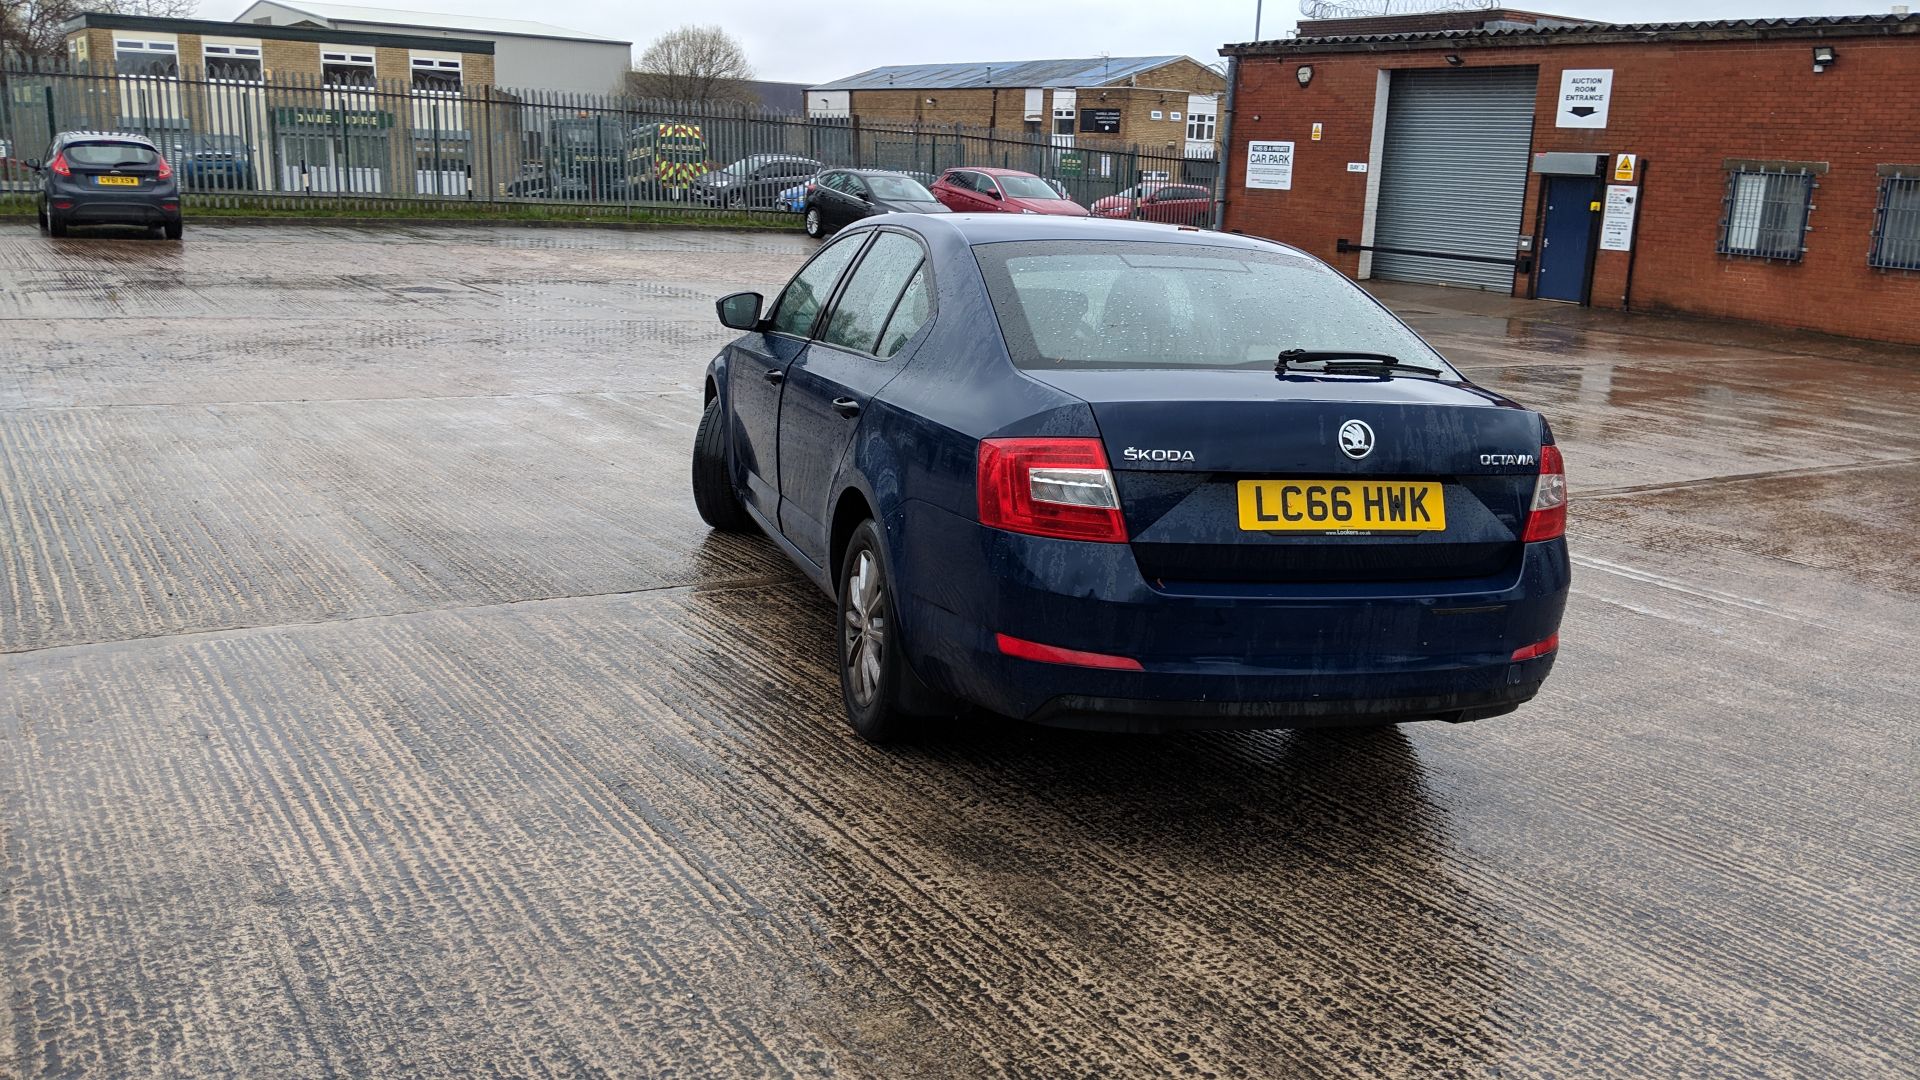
point(1566, 243)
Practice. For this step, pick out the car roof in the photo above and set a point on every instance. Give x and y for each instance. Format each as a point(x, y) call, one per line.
point(991, 170)
point(1013, 228)
point(102, 136)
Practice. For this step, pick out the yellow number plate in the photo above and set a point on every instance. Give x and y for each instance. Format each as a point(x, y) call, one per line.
point(119, 181)
point(1335, 505)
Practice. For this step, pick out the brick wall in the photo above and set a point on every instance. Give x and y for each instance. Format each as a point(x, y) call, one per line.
point(1684, 107)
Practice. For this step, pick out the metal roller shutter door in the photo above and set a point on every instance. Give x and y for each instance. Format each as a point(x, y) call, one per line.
point(1453, 174)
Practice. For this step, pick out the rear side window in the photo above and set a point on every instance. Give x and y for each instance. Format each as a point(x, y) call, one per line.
point(108, 155)
point(909, 315)
point(807, 293)
point(1129, 304)
point(962, 180)
point(872, 293)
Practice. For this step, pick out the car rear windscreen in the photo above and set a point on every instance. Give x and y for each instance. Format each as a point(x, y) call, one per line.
point(109, 155)
point(1132, 304)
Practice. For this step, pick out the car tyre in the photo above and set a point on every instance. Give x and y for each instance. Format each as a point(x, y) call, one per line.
point(816, 228)
point(40, 217)
point(56, 225)
point(713, 493)
point(175, 229)
point(875, 683)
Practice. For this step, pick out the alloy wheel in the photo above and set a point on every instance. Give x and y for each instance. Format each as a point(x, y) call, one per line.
point(866, 628)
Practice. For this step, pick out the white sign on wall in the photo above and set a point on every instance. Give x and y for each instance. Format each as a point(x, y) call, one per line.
point(1584, 96)
point(1270, 166)
point(1616, 224)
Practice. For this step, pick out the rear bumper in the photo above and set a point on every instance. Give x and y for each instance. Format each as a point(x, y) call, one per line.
point(1212, 656)
point(118, 213)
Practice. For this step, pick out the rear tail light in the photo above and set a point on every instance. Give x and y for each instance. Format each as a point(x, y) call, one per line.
point(1053, 654)
point(59, 165)
point(1547, 517)
point(166, 170)
point(1060, 488)
point(1537, 649)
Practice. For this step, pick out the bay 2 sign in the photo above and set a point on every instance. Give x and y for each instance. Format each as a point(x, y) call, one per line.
point(1270, 166)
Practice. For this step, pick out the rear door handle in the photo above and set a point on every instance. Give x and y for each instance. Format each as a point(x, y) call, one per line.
point(846, 406)
point(775, 376)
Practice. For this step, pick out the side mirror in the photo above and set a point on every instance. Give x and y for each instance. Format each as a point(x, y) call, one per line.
point(740, 311)
point(32, 163)
point(994, 194)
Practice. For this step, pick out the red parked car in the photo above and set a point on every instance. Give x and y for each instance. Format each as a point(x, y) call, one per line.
point(1001, 191)
point(1175, 204)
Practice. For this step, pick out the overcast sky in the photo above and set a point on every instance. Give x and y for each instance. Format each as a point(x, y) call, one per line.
point(794, 41)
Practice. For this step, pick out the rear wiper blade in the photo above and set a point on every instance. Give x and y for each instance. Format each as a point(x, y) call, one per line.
point(1346, 362)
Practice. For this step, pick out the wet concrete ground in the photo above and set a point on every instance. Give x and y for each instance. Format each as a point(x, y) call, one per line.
point(372, 702)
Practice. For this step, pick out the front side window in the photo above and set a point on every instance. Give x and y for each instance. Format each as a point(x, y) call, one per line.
point(872, 292)
point(807, 293)
point(1766, 214)
point(434, 75)
point(153, 58)
point(1131, 304)
point(1896, 229)
point(233, 63)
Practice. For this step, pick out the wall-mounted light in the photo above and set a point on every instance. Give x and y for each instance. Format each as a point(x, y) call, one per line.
point(1304, 73)
point(1822, 57)
point(1453, 60)
point(930, 101)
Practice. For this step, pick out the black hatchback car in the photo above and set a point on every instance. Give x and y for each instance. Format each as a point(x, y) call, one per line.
point(106, 178)
point(840, 197)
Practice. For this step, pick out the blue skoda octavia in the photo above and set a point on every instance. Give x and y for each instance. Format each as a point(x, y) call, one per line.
point(1134, 477)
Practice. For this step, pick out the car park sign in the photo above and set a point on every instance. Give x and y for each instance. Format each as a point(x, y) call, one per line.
point(1270, 166)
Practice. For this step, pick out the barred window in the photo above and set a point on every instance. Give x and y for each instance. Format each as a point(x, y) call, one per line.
point(1896, 223)
point(233, 63)
point(160, 59)
point(1765, 213)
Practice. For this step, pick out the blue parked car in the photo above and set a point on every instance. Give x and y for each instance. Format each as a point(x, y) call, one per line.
point(1129, 476)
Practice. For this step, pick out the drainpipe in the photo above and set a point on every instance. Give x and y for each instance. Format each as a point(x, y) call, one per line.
point(1226, 146)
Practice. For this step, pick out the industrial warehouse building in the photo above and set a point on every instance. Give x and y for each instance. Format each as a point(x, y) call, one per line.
point(1766, 170)
point(1165, 104)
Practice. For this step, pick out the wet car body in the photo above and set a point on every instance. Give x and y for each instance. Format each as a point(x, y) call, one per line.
point(1002, 191)
point(1189, 620)
point(107, 178)
point(838, 197)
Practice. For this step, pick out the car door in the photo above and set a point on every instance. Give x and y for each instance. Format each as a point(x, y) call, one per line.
point(851, 359)
point(838, 204)
point(757, 365)
point(858, 197)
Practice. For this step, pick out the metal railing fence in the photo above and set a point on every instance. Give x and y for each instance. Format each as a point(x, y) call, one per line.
point(290, 141)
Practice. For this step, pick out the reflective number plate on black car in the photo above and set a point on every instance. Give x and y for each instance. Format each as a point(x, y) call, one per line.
point(1334, 505)
point(119, 181)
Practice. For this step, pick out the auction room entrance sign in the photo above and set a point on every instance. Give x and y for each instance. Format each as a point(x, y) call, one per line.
point(1270, 166)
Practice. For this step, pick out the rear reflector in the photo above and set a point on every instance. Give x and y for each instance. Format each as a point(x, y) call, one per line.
point(1052, 654)
point(1537, 649)
point(1060, 488)
point(1547, 517)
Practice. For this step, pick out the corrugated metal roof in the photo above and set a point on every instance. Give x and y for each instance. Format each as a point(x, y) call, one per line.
point(1092, 71)
point(1609, 30)
point(431, 20)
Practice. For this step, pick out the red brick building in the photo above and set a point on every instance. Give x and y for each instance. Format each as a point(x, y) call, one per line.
point(1773, 176)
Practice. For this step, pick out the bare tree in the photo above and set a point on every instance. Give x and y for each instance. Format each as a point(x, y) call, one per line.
point(37, 27)
point(695, 64)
